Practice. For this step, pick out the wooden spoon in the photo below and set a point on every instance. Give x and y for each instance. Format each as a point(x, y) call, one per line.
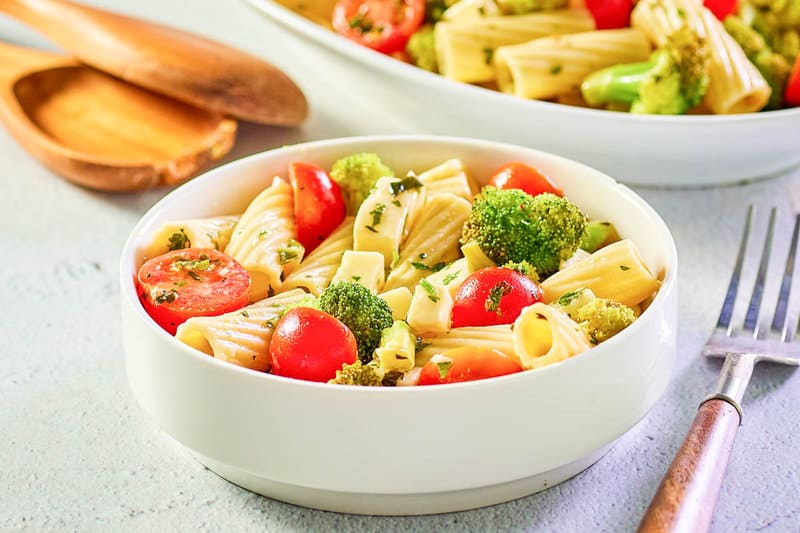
point(185, 66)
point(101, 132)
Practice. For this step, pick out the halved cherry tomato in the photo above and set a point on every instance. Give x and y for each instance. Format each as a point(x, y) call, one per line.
point(178, 285)
point(493, 295)
point(468, 364)
point(310, 344)
point(521, 176)
point(318, 204)
point(721, 8)
point(383, 25)
point(610, 14)
point(792, 95)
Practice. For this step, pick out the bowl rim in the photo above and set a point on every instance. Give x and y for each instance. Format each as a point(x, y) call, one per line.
point(127, 273)
point(401, 69)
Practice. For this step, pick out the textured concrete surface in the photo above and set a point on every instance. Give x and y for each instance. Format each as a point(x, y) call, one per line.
point(77, 453)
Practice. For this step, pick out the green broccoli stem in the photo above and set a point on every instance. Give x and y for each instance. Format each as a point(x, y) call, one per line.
point(619, 83)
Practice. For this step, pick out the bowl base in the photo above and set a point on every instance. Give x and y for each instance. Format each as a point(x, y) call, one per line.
point(400, 504)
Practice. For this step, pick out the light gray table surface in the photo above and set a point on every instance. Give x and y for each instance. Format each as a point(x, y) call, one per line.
point(78, 454)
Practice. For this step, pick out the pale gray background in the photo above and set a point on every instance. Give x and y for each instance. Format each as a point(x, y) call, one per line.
point(77, 453)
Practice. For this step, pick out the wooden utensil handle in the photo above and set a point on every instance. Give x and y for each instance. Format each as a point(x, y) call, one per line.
point(686, 497)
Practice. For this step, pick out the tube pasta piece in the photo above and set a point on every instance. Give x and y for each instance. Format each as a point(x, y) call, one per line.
point(365, 268)
point(266, 227)
point(212, 232)
point(381, 219)
point(397, 350)
point(433, 240)
point(464, 47)
point(317, 270)
point(544, 335)
point(450, 176)
point(616, 272)
point(240, 337)
point(494, 337)
point(452, 276)
point(399, 300)
point(552, 66)
point(430, 309)
point(734, 84)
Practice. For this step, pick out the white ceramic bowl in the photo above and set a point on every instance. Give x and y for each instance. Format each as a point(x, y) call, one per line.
point(402, 450)
point(682, 151)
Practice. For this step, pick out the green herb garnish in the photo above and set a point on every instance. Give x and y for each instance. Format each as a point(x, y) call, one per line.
point(179, 240)
point(492, 303)
point(406, 184)
point(291, 251)
point(430, 290)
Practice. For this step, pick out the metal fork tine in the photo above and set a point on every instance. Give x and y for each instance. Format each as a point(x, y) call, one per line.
point(779, 322)
point(726, 313)
point(751, 318)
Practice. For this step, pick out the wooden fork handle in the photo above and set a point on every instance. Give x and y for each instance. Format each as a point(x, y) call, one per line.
point(686, 497)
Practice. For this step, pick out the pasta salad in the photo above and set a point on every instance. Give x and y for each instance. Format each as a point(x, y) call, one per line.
point(638, 56)
point(357, 276)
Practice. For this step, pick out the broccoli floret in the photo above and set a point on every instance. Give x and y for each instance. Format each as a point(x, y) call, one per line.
point(422, 50)
point(598, 234)
point(602, 318)
point(777, 21)
point(434, 9)
point(510, 225)
point(773, 66)
point(369, 375)
point(364, 313)
point(524, 268)
point(518, 7)
point(356, 175)
point(673, 80)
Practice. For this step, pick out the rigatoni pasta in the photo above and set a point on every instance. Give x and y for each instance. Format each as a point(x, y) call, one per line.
point(554, 66)
point(263, 240)
point(465, 47)
point(211, 232)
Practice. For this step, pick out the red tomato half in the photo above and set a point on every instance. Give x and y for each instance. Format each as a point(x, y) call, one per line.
point(792, 95)
point(191, 282)
point(311, 344)
point(610, 14)
point(383, 25)
point(318, 204)
point(492, 296)
point(721, 8)
point(468, 364)
point(521, 176)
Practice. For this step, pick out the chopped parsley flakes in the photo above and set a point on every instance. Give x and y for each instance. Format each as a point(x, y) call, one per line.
point(179, 240)
point(430, 290)
point(406, 184)
point(377, 214)
point(492, 303)
point(289, 252)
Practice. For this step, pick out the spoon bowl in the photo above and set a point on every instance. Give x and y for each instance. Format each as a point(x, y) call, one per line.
point(101, 132)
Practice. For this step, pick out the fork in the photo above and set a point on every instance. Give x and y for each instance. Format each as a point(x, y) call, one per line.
point(686, 497)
